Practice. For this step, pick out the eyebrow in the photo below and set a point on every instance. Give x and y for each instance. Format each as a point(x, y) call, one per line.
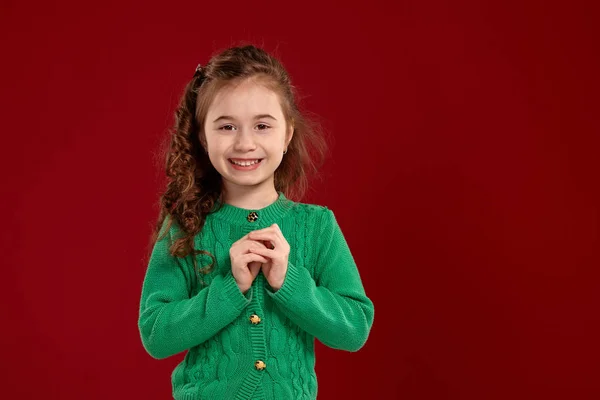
point(259, 116)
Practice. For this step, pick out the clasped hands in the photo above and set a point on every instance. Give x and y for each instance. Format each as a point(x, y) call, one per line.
point(264, 249)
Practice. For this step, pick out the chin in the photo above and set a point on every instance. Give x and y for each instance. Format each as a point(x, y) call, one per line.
point(246, 182)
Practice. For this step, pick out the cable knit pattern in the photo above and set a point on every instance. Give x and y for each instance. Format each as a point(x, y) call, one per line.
point(322, 297)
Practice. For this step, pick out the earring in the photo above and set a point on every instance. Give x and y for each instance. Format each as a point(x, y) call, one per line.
point(285, 151)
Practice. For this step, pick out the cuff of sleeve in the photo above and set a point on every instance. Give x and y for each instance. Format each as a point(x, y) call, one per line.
point(285, 292)
point(232, 292)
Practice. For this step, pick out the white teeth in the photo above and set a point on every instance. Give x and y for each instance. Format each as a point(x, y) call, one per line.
point(245, 163)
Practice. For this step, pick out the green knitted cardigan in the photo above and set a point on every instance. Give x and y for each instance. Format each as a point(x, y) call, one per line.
point(230, 355)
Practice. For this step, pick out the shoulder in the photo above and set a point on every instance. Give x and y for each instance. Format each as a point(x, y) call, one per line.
point(318, 215)
point(311, 209)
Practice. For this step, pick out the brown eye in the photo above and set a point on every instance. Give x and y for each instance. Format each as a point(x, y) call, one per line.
point(225, 126)
point(264, 126)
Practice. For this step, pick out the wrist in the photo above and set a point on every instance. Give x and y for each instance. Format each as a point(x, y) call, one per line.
point(244, 289)
point(276, 285)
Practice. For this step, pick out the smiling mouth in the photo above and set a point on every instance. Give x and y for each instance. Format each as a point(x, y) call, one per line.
point(245, 163)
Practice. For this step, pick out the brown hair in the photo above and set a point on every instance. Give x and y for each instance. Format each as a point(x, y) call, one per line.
point(193, 184)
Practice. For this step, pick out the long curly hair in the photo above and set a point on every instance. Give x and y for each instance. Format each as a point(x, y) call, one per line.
point(193, 185)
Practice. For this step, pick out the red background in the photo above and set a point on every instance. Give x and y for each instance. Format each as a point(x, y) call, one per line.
point(464, 174)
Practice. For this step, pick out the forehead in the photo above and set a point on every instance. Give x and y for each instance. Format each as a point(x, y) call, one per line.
point(245, 99)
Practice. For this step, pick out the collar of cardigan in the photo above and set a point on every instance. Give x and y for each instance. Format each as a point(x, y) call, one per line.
point(253, 217)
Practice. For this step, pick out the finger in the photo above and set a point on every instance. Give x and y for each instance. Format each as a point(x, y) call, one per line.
point(268, 230)
point(245, 237)
point(254, 244)
point(250, 257)
point(254, 268)
point(268, 236)
point(265, 252)
point(274, 236)
point(277, 232)
point(244, 247)
point(267, 241)
point(267, 244)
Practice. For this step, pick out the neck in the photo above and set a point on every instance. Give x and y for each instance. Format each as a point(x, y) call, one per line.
point(249, 197)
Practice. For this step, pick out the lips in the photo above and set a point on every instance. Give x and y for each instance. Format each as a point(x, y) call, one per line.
point(245, 163)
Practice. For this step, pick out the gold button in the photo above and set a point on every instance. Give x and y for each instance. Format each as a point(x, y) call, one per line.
point(255, 319)
point(260, 365)
point(252, 217)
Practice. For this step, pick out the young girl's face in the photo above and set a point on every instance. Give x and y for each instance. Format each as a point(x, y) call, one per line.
point(245, 123)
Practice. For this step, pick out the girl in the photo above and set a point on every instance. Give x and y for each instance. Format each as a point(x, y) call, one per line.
point(239, 275)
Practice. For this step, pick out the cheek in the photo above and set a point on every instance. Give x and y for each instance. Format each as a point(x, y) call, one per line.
point(216, 145)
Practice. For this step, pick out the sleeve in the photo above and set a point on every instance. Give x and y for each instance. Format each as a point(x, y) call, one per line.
point(170, 321)
point(333, 307)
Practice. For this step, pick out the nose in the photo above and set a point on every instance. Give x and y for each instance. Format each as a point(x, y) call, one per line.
point(244, 140)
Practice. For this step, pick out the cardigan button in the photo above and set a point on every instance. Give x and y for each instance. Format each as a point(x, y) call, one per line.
point(252, 217)
point(255, 319)
point(260, 365)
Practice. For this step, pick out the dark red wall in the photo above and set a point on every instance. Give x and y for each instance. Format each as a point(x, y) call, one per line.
point(464, 176)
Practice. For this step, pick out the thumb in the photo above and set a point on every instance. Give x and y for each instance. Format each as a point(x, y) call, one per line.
point(254, 268)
